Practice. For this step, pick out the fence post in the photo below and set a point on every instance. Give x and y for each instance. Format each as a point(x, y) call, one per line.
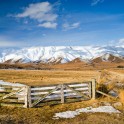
point(29, 97)
point(93, 88)
point(90, 88)
point(62, 94)
point(26, 97)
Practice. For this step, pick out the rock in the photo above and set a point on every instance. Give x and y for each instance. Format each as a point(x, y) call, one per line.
point(113, 93)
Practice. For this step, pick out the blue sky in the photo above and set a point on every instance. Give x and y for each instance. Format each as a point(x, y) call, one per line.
point(25, 23)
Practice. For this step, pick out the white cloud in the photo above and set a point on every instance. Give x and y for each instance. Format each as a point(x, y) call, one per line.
point(8, 44)
point(48, 25)
point(95, 2)
point(121, 42)
point(42, 12)
point(68, 26)
point(117, 42)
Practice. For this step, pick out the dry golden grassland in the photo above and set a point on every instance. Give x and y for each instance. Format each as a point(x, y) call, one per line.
point(43, 115)
point(38, 77)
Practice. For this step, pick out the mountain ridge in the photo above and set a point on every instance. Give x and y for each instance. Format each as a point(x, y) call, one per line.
point(61, 54)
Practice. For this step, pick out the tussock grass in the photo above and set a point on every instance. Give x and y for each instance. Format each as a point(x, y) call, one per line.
point(38, 77)
point(121, 96)
point(45, 114)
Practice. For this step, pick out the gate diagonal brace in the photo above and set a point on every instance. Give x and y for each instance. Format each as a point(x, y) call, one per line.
point(41, 99)
point(12, 93)
point(77, 92)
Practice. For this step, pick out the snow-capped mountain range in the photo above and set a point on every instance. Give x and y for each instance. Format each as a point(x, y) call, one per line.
point(62, 54)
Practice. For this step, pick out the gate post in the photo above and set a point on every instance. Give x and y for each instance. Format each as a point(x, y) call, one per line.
point(27, 97)
point(62, 94)
point(90, 89)
point(93, 89)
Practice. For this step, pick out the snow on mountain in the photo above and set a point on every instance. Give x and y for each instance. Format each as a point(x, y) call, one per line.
point(59, 53)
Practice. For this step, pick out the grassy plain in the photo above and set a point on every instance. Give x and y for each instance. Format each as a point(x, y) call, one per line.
point(41, 77)
point(44, 115)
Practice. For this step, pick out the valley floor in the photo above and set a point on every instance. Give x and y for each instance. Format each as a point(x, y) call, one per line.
point(41, 77)
point(44, 115)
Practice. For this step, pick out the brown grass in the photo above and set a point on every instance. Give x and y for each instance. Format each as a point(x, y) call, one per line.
point(38, 77)
point(44, 114)
point(112, 77)
point(121, 96)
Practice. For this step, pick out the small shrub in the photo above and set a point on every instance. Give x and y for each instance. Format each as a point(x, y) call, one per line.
point(103, 88)
point(120, 66)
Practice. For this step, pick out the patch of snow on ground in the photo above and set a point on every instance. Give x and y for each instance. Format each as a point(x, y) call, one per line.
point(11, 84)
point(72, 114)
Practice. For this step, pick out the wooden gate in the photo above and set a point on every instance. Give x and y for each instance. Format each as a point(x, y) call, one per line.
point(32, 96)
point(61, 92)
